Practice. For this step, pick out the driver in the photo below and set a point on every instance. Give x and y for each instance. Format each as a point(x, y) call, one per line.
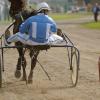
point(37, 30)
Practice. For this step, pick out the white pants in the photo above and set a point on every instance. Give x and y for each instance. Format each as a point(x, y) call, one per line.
point(24, 38)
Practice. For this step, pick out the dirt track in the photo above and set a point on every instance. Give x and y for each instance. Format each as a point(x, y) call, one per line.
point(88, 87)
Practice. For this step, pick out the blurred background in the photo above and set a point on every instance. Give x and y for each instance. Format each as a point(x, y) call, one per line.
point(58, 6)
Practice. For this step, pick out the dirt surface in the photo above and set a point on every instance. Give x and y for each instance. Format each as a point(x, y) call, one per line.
point(56, 64)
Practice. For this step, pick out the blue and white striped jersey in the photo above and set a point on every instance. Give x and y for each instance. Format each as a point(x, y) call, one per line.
point(38, 27)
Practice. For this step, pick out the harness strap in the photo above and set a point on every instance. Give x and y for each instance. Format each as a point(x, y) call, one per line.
point(21, 16)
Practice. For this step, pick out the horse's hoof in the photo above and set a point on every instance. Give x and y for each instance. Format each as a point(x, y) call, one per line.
point(30, 81)
point(17, 73)
point(23, 79)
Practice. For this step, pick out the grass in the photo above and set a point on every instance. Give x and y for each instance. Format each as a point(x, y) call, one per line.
point(5, 22)
point(92, 25)
point(63, 16)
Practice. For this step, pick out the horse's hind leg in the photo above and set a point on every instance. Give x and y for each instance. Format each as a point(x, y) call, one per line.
point(24, 77)
point(19, 63)
point(33, 55)
point(18, 68)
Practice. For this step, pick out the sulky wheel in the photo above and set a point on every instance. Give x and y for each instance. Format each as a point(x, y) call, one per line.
point(0, 73)
point(74, 67)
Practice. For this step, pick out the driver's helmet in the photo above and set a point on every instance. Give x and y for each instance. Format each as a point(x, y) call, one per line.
point(43, 6)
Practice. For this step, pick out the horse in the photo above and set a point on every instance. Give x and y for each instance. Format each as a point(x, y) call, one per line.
point(18, 12)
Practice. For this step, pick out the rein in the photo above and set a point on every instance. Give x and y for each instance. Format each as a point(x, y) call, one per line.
point(8, 29)
point(10, 26)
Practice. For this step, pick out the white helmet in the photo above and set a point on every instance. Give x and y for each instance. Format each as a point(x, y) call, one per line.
point(43, 6)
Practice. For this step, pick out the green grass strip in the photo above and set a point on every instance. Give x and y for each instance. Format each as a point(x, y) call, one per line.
point(62, 16)
point(5, 22)
point(92, 25)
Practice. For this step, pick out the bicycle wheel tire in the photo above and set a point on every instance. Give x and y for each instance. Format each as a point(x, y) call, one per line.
point(0, 74)
point(74, 68)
